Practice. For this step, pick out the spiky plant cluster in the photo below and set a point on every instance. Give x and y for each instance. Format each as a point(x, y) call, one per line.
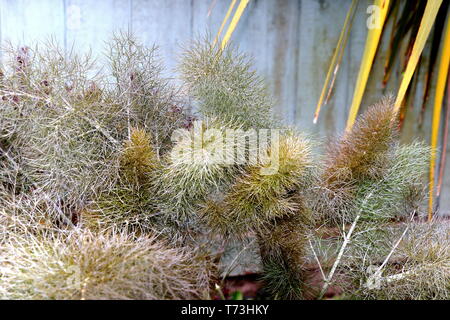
point(229, 96)
point(367, 172)
point(400, 191)
point(57, 119)
point(66, 170)
point(195, 169)
point(80, 264)
point(283, 254)
point(426, 271)
point(28, 214)
point(369, 182)
point(225, 87)
point(67, 121)
point(94, 164)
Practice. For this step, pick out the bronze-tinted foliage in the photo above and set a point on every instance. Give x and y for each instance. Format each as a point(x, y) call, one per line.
point(130, 204)
point(361, 152)
point(138, 159)
point(362, 156)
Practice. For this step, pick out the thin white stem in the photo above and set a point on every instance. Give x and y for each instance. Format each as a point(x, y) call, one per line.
point(317, 260)
point(343, 247)
point(339, 257)
point(395, 245)
point(374, 280)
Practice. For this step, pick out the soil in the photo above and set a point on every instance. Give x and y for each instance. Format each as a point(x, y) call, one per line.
point(250, 287)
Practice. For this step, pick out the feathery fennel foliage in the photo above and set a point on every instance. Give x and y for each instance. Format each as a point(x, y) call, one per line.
point(418, 269)
point(271, 206)
point(147, 100)
point(194, 171)
point(225, 85)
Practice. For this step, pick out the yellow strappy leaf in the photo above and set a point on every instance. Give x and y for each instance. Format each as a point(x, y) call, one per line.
point(225, 20)
point(373, 38)
point(428, 19)
point(444, 63)
point(237, 15)
point(338, 53)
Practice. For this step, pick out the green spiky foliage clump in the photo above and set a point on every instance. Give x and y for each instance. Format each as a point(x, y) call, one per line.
point(400, 191)
point(63, 122)
point(255, 199)
point(25, 214)
point(367, 172)
point(426, 271)
point(64, 166)
point(282, 239)
point(80, 264)
point(191, 173)
point(284, 256)
point(225, 85)
point(229, 95)
point(52, 110)
point(369, 182)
